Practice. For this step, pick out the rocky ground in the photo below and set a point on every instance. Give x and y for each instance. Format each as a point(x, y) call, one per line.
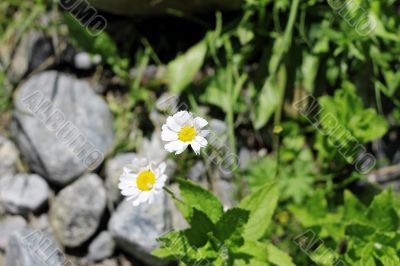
point(59, 200)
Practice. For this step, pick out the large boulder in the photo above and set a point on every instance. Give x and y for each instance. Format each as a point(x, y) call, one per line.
point(101, 247)
point(61, 126)
point(33, 248)
point(9, 225)
point(23, 193)
point(77, 210)
point(135, 229)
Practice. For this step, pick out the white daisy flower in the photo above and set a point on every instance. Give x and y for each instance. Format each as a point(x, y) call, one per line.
point(142, 180)
point(182, 130)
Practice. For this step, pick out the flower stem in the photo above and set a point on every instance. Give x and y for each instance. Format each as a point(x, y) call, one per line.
point(172, 194)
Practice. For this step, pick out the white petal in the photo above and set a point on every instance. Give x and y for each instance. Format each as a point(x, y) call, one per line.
point(201, 141)
point(174, 146)
point(185, 145)
point(142, 198)
point(162, 179)
point(133, 196)
point(203, 133)
point(151, 198)
point(168, 135)
point(161, 168)
point(128, 191)
point(196, 147)
point(183, 118)
point(172, 124)
point(128, 177)
point(160, 182)
point(143, 162)
point(123, 185)
point(130, 168)
point(200, 122)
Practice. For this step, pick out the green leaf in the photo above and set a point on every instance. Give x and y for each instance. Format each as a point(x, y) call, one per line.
point(182, 70)
point(197, 197)
point(101, 44)
point(360, 231)
point(271, 95)
point(201, 225)
point(353, 209)
point(279, 257)
point(230, 226)
point(309, 70)
point(368, 125)
point(174, 245)
point(381, 213)
point(253, 249)
point(269, 98)
point(261, 204)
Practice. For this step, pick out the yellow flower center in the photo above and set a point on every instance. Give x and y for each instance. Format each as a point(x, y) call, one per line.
point(187, 133)
point(145, 180)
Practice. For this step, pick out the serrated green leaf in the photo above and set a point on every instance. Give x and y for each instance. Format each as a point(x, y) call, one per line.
point(201, 225)
point(353, 209)
point(360, 231)
point(252, 249)
point(381, 213)
point(230, 226)
point(197, 197)
point(278, 257)
point(261, 204)
point(174, 245)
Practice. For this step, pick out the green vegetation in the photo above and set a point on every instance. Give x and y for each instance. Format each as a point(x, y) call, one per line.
point(252, 68)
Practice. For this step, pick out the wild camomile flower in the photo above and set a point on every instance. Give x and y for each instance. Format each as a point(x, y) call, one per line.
point(142, 180)
point(182, 130)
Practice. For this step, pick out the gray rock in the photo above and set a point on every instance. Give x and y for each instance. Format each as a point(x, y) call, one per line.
point(76, 212)
point(218, 136)
point(61, 126)
point(106, 262)
point(245, 158)
point(157, 118)
point(101, 247)
point(23, 193)
point(39, 222)
point(40, 51)
point(135, 229)
point(225, 191)
point(32, 51)
point(113, 170)
point(8, 157)
point(223, 157)
point(33, 248)
point(197, 171)
point(8, 226)
point(171, 169)
point(153, 149)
